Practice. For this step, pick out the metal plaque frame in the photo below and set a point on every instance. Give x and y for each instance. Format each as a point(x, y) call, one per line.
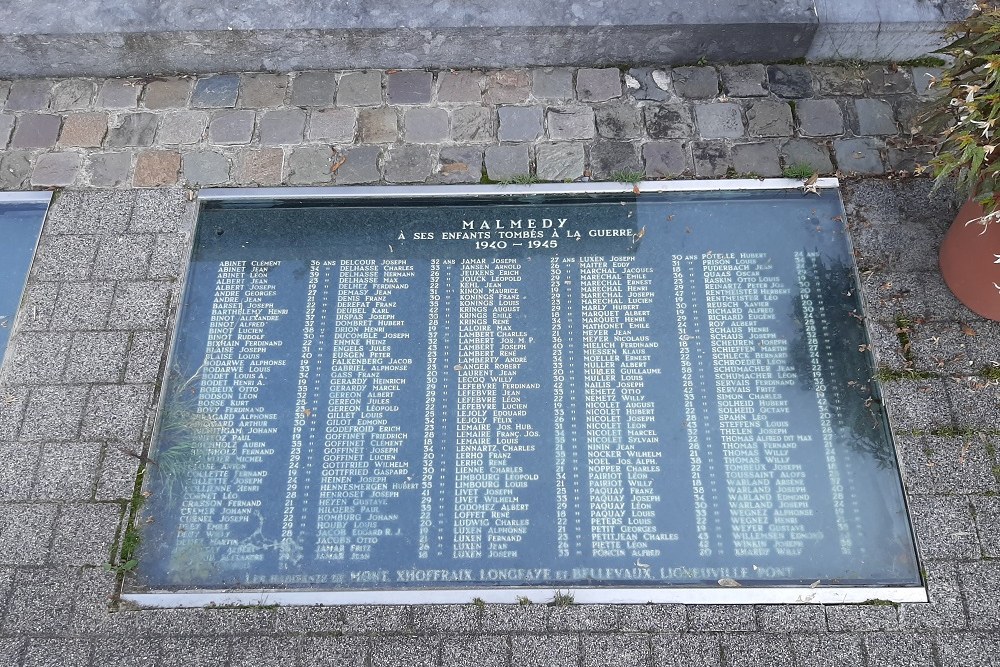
point(30, 197)
point(738, 595)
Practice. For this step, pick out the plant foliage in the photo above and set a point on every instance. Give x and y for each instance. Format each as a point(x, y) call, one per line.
point(966, 119)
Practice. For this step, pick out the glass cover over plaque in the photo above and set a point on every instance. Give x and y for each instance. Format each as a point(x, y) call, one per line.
point(560, 391)
point(20, 224)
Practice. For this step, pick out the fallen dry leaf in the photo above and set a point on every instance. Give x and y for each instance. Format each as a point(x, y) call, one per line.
point(726, 582)
point(338, 163)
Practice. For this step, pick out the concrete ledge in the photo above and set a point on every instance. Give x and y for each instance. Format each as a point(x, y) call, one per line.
point(146, 37)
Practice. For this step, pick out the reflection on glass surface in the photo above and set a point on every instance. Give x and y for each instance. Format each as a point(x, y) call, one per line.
point(669, 389)
point(20, 225)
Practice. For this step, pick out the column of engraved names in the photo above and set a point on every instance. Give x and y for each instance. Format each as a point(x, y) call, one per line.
point(819, 344)
point(437, 426)
point(623, 447)
point(691, 323)
point(767, 495)
point(363, 472)
point(559, 409)
point(238, 432)
point(293, 520)
point(491, 412)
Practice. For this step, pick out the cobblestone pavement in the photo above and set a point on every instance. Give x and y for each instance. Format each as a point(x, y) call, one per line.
point(80, 379)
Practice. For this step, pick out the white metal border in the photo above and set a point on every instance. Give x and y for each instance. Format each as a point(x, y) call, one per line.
point(537, 594)
point(428, 191)
point(34, 197)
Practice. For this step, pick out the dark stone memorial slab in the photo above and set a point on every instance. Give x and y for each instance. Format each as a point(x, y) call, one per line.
point(21, 217)
point(618, 392)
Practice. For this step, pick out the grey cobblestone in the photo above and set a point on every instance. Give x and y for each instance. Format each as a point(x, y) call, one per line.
point(571, 122)
point(425, 126)
point(506, 162)
point(809, 153)
point(987, 513)
point(361, 165)
point(36, 130)
point(360, 89)
point(119, 94)
point(719, 120)
point(314, 89)
point(552, 83)
point(759, 159)
point(216, 91)
point(598, 85)
point(858, 156)
point(377, 126)
point(472, 124)
point(744, 80)
point(875, 117)
point(167, 93)
point(666, 159)
point(182, 127)
point(6, 128)
point(262, 90)
point(651, 84)
point(508, 87)
point(134, 129)
point(698, 83)
point(140, 305)
point(608, 157)
point(409, 87)
point(789, 81)
point(109, 170)
point(56, 169)
point(520, 123)
point(767, 118)
point(71, 94)
point(205, 168)
point(28, 95)
point(560, 161)
point(335, 125)
point(668, 121)
point(619, 120)
point(14, 169)
point(461, 86)
point(460, 165)
point(839, 80)
point(711, 158)
point(408, 164)
point(232, 127)
point(819, 118)
point(281, 127)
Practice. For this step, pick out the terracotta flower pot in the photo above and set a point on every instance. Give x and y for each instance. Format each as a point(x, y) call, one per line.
point(970, 261)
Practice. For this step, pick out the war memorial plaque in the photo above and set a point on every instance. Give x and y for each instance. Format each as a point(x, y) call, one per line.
point(21, 217)
point(425, 399)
